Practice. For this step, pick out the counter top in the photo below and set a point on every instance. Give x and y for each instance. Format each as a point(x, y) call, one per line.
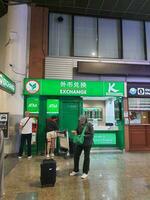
point(105, 128)
point(139, 124)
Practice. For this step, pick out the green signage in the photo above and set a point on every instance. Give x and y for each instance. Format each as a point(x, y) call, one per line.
point(7, 84)
point(105, 139)
point(33, 104)
point(73, 87)
point(113, 88)
point(52, 106)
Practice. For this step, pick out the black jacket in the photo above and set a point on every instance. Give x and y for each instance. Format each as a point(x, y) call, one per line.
point(89, 133)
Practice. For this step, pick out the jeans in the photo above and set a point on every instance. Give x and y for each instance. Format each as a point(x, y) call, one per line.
point(24, 138)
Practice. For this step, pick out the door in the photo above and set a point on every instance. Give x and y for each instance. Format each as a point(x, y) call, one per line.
point(69, 115)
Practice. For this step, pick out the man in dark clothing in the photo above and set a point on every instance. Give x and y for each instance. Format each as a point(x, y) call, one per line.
point(86, 146)
point(52, 124)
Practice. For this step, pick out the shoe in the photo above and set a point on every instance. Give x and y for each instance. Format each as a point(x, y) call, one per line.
point(73, 173)
point(84, 176)
point(57, 168)
point(47, 156)
point(29, 157)
point(19, 157)
point(2, 195)
point(52, 155)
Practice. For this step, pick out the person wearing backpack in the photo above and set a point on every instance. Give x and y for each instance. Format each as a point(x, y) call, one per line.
point(26, 134)
point(87, 127)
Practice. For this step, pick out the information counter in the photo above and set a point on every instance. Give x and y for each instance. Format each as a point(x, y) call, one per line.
point(105, 136)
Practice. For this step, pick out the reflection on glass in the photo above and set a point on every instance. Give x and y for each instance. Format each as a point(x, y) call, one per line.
point(139, 110)
point(139, 117)
point(118, 112)
point(93, 113)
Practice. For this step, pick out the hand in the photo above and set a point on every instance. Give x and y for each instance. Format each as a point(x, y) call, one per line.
point(20, 126)
point(74, 132)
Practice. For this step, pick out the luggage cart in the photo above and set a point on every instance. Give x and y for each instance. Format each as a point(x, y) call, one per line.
point(64, 144)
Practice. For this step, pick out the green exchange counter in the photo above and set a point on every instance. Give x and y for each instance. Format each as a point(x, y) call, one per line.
point(105, 138)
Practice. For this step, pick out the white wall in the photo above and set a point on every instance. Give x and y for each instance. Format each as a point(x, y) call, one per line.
point(13, 50)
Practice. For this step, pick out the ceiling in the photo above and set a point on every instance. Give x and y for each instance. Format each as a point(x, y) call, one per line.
point(130, 9)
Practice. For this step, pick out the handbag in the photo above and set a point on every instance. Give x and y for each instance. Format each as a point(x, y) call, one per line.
point(79, 139)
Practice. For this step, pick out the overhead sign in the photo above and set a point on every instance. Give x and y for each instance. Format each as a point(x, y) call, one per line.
point(33, 104)
point(113, 89)
point(4, 123)
point(52, 106)
point(7, 84)
point(73, 87)
point(138, 90)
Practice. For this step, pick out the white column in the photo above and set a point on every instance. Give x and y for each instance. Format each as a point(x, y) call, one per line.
point(15, 56)
point(13, 62)
point(110, 115)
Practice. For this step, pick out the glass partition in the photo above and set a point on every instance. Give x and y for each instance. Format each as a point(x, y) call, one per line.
point(139, 110)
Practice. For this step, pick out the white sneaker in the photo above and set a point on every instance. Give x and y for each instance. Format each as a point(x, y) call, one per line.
point(57, 168)
point(52, 155)
point(84, 176)
point(29, 157)
point(19, 157)
point(47, 156)
point(73, 173)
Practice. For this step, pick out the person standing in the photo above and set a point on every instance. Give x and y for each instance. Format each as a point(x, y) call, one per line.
point(51, 134)
point(86, 146)
point(26, 134)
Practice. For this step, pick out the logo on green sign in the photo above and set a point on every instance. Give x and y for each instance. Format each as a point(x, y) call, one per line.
point(32, 86)
point(52, 106)
point(33, 104)
point(112, 88)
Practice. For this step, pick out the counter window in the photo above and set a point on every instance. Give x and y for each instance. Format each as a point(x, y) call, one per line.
point(93, 113)
point(100, 111)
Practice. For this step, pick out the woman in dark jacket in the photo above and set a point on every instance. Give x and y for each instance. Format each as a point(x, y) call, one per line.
point(86, 146)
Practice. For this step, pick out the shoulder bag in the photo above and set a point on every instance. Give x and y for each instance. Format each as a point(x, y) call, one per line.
point(79, 139)
point(25, 123)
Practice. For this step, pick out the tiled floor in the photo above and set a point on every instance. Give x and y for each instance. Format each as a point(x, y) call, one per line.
point(9, 163)
point(113, 176)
